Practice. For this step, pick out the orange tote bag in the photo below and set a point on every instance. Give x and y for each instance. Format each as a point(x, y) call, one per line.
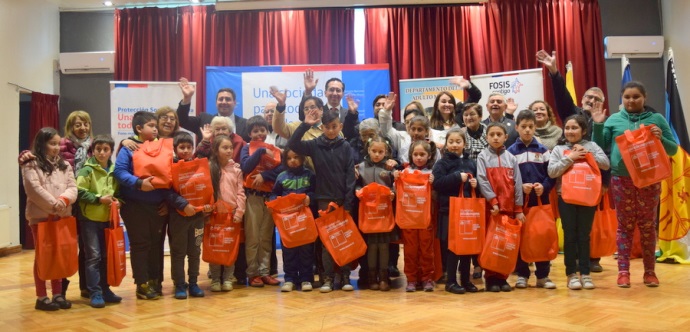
point(339, 235)
point(115, 248)
point(413, 202)
point(266, 163)
point(581, 184)
point(466, 224)
point(501, 246)
point(602, 237)
point(644, 156)
point(539, 242)
point(221, 238)
point(192, 180)
point(154, 158)
point(375, 209)
point(57, 253)
point(293, 219)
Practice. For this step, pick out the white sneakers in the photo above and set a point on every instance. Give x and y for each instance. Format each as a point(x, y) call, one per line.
point(287, 287)
point(306, 286)
point(584, 281)
point(546, 283)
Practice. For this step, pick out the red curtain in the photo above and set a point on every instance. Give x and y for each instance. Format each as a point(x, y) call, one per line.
point(194, 37)
point(497, 36)
point(44, 113)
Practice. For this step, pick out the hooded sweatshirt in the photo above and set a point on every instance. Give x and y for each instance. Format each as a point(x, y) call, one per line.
point(94, 182)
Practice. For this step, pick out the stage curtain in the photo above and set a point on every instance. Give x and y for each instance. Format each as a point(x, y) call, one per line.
point(500, 35)
point(44, 113)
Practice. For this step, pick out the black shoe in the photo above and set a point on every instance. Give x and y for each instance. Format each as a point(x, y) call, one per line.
point(455, 288)
point(85, 294)
point(393, 271)
point(477, 274)
point(46, 305)
point(595, 267)
point(62, 302)
point(156, 286)
point(145, 292)
point(110, 297)
point(493, 288)
point(470, 287)
point(506, 288)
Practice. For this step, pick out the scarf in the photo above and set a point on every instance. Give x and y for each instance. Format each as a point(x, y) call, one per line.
point(549, 135)
point(81, 155)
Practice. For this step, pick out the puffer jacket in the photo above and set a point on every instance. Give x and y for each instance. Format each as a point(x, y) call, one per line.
point(94, 182)
point(43, 191)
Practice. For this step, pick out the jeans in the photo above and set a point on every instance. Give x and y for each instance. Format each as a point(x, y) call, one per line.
point(297, 263)
point(95, 255)
point(186, 236)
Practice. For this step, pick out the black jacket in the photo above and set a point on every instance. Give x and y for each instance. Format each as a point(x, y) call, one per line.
point(193, 123)
point(447, 178)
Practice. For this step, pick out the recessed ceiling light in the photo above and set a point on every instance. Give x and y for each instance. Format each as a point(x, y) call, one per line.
point(108, 3)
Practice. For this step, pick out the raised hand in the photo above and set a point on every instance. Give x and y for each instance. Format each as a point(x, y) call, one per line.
point(187, 89)
point(279, 96)
point(511, 105)
point(390, 101)
point(549, 61)
point(352, 104)
point(309, 81)
point(311, 117)
point(461, 82)
point(206, 132)
point(598, 112)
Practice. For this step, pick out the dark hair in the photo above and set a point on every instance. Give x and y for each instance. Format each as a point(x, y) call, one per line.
point(373, 105)
point(580, 120)
point(102, 139)
point(284, 156)
point(436, 117)
point(459, 131)
point(141, 118)
point(525, 115)
point(214, 163)
point(256, 121)
point(499, 125)
point(379, 139)
point(476, 107)
point(428, 146)
point(334, 79)
point(330, 116)
point(421, 118)
point(38, 148)
point(635, 85)
point(182, 137)
point(317, 101)
point(232, 92)
point(415, 111)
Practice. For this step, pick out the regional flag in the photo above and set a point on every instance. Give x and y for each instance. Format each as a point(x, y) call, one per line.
point(627, 76)
point(674, 109)
point(570, 81)
point(674, 213)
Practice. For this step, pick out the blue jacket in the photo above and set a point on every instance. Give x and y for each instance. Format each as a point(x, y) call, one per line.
point(533, 161)
point(294, 180)
point(129, 184)
point(248, 164)
point(447, 178)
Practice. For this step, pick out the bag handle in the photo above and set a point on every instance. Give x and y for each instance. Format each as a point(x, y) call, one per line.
point(328, 208)
point(526, 201)
point(114, 215)
point(462, 185)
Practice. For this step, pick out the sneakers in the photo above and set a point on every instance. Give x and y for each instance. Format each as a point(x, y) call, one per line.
point(215, 285)
point(650, 279)
point(505, 287)
point(521, 282)
point(181, 291)
point(146, 292)
point(574, 282)
point(62, 301)
point(270, 280)
point(327, 286)
point(623, 280)
point(46, 305)
point(545, 283)
point(587, 282)
point(110, 297)
point(97, 300)
point(256, 281)
point(287, 287)
point(226, 286)
point(411, 287)
point(347, 286)
point(156, 286)
point(429, 286)
point(306, 286)
point(195, 290)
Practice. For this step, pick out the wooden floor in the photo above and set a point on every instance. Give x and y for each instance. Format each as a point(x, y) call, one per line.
point(666, 308)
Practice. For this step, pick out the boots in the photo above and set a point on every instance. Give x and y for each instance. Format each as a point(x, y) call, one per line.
point(384, 285)
point(373, 283)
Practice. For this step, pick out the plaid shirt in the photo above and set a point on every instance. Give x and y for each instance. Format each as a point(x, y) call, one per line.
point(473, 146)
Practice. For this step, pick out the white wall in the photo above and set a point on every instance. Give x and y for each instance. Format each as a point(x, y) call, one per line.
point(676, 26)
point(30, 39)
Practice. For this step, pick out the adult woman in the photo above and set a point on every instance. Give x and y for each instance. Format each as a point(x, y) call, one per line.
point(168, 123)
point(74, 146)
point(634, 206)
point(443, 115)
point(547, 131)
point(475, 135)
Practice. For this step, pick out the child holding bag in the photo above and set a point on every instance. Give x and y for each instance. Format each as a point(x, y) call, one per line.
point(50, 192)
point(373, 170)
point(577, 219)
point(500, 182)
point(449, 173)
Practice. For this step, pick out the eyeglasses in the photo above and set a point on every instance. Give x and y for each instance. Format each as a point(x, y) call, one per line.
point(166, 118)
point(311, 108)
point(269, 111)
point(596, 98)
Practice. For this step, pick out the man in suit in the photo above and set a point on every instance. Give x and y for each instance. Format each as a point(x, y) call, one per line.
point(225, 104)
point(334, 91)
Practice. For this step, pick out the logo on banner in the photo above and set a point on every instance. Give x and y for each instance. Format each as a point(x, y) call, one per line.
point(506, 87)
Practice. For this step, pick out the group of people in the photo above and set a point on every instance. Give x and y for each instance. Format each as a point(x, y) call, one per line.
point(511, 161)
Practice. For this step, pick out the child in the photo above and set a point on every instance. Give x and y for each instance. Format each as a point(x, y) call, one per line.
point(141, 211)
point(373, 170)
point(577, 219)
point(227, 178)
point(533, 160)
point(449, 173)
point(50, 192)
point(297, 262)
point(97, 188)
point(335, 172)
point(418, 244)
point(259, 227)
point(186, 231)
point(500, 182)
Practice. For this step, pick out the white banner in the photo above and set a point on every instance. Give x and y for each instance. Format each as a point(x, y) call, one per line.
point(425, 90)
point(525, 86)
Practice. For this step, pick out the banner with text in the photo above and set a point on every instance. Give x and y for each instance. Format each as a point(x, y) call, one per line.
point(525, 86)
point(252, 86)
point(424, 90)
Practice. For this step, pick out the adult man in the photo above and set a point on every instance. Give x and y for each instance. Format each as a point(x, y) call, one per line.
point(379, 102)
point(225, 104)
point(273, 137)
point(497, 105)
point(335, 90)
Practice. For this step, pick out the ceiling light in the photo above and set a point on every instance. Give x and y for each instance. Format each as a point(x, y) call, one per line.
point(194, 1)
point(108, 3)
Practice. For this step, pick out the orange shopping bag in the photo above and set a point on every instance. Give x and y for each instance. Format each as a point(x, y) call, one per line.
point(501, 245)
point(466, 221)
point(581, 184)
point(644, 156)
point(539, 242)
point(221, 238)
point(192, 179)
point(266, 163)
point(413, 202)
point(57, 254)
point(154, 158)
point(602, 238)
point(115, 248)
point(375, 209)
point(293, 219)
point(339, 235)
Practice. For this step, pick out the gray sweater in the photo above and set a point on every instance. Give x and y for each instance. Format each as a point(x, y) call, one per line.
point(559, 163)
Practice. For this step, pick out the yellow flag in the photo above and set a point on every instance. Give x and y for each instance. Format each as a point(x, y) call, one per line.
point(570, 81)
point(674, 214)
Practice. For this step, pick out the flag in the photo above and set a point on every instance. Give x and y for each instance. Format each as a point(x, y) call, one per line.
point(627, 76)
point(674, 109)
point(674, 210)
point(570, 81)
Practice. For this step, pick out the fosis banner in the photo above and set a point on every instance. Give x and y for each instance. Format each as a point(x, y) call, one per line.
point(525, 86)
